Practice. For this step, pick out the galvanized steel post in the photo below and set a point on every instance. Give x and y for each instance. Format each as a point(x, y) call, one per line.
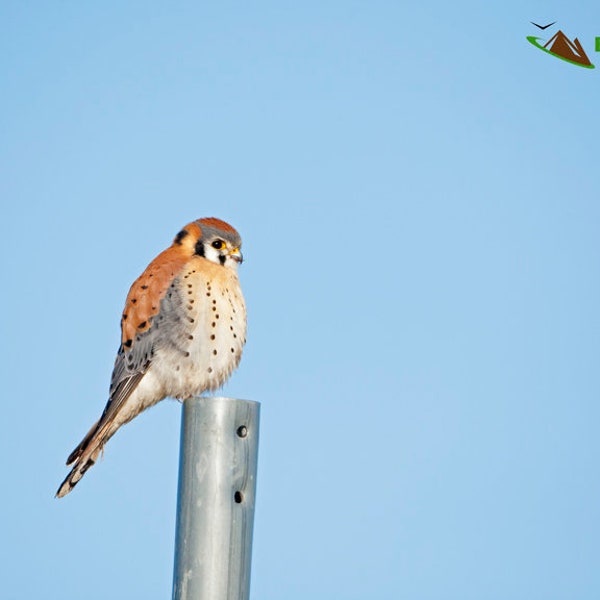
point(215, 501)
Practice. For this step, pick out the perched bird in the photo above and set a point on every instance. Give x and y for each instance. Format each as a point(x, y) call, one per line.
point(182, 332)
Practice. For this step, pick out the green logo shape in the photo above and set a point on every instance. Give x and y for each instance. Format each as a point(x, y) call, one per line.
point(534, 40)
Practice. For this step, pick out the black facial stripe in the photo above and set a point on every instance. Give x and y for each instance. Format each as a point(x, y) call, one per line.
point(199, 250)
point(222, 258)
point(180, 236)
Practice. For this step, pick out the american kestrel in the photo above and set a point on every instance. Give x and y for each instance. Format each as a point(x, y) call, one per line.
point(182, 332)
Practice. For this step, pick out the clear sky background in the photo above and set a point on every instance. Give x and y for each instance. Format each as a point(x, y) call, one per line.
point(417, 188)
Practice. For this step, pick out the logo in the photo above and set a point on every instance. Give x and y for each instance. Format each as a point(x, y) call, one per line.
point(560, 46)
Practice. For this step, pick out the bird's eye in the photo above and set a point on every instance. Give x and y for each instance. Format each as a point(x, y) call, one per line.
point(217, 244)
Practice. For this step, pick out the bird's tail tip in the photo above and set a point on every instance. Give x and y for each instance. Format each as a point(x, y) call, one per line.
point(70, 481)
point(64, 489)
point(77, 472)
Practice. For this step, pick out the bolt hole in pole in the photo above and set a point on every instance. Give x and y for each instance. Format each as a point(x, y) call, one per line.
point(213, 539)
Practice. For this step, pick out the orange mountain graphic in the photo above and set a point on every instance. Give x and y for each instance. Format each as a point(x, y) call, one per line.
point(571, 50)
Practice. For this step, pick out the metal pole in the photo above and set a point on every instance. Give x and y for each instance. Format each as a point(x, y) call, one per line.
point(215, 500)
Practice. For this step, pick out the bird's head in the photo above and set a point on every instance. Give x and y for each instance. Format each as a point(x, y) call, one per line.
point(213, 239)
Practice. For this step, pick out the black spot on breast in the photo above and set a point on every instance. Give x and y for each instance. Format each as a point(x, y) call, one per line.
point(144, 287)
point(180, 237)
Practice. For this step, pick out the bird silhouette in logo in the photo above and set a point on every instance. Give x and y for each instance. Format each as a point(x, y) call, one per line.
point(543, 26)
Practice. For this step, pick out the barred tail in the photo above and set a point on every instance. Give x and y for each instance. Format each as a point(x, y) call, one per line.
point(86, 454)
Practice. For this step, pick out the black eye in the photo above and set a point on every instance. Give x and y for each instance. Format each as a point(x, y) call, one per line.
point(217, 244)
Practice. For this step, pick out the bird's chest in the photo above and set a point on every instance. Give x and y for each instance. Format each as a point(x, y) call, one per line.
point(220, 323)
point(206, 331)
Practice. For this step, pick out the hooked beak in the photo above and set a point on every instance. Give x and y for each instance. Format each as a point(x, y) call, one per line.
point(237, 255)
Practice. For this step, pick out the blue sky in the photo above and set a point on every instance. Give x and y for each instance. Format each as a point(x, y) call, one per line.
point(417, 190)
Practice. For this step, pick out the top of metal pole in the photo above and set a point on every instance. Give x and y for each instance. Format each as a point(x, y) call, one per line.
point(215, 505)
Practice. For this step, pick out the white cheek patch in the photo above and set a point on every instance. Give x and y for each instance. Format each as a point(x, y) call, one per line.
point(215, 256)
point(211, 254)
